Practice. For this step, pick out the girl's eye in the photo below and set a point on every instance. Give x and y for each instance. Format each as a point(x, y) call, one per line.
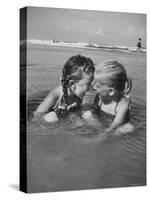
point(97, 86)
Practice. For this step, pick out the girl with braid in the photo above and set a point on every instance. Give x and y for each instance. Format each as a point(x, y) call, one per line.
point(77, 75)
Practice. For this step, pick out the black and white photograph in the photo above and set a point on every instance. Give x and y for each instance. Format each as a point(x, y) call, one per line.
point(82, 99)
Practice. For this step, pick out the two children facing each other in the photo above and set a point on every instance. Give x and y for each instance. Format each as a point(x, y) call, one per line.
point(110, 82)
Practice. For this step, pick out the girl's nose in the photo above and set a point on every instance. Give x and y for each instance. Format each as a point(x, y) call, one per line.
point(90, 88)
point(93, 87)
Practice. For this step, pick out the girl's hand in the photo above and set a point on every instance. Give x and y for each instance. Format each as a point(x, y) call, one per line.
point(91, 120)
point(87, 114)
point(108, 131)
point(51, 117)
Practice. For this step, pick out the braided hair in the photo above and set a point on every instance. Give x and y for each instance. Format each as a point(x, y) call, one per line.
point(69, 72)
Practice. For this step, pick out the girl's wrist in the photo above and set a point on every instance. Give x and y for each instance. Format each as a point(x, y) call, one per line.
point(37, 114)
point(109, 131)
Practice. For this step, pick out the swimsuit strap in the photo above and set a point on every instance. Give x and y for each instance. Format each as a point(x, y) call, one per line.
point(100, 102)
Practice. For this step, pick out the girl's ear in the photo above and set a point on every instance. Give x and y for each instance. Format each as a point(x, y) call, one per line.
point(111, 91)
point(72, 84)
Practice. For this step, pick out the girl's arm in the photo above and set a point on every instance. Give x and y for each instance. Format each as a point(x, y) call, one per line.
point(48, 102)
point(122, 112)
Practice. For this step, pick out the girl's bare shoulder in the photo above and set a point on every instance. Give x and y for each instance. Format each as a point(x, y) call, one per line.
point(123, 104)
point(56, 91)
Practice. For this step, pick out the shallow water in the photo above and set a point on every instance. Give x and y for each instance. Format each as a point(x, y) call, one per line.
point(63, 156)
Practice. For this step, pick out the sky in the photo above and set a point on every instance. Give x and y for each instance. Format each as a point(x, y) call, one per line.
point(106, 28)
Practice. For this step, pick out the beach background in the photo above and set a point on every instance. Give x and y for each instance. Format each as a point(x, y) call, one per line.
point(61, 157)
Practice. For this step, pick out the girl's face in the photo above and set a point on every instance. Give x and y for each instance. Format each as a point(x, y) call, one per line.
point(83, 85)
point(100, 84)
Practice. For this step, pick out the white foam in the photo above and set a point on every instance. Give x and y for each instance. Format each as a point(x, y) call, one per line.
point(84, 45)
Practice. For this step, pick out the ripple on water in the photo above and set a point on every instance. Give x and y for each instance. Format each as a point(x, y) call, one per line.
point(69, 142)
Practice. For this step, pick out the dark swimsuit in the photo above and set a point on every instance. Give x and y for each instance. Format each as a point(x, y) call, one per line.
point(73, 104)
point(139, 44)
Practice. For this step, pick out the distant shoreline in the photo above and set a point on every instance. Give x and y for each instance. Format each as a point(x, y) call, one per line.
point(82, 45)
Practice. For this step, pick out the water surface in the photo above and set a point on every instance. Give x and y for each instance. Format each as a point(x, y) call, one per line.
point(61, 157)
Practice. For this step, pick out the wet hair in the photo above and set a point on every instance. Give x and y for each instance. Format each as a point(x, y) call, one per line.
point(116, 76)
point(73, 69)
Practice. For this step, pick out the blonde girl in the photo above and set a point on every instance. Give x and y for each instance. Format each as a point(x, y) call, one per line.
point(113, 87)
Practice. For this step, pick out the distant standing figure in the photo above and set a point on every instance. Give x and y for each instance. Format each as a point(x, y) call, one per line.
point(139, 44)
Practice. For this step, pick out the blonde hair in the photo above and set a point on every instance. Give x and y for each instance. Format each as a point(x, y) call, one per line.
point(116, 75)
